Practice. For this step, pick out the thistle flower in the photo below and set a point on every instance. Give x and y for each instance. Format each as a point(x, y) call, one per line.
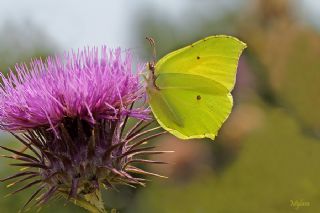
point(71, 112)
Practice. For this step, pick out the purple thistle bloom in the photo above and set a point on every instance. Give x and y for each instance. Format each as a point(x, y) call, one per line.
point(71, 114)
point(86, 86)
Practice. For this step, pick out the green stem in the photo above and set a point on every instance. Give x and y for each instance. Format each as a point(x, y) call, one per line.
point(92, 202)
point(95, 200)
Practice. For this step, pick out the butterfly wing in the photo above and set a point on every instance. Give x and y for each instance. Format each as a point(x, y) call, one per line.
point(192, 98)
point(214, 57)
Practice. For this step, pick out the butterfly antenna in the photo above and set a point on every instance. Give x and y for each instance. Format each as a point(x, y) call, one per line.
point(153, 45)
point(153, 63)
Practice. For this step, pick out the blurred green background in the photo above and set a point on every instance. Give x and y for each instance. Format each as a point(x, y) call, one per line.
point(266, 156)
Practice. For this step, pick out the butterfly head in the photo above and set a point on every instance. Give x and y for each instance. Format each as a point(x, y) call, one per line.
point(151, 77)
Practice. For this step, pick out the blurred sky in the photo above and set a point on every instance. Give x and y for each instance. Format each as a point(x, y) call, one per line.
point(73, 23)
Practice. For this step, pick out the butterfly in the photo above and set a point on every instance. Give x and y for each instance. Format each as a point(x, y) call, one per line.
point(189, 90)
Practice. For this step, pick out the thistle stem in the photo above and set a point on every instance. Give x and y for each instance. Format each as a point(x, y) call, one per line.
point(92, 202)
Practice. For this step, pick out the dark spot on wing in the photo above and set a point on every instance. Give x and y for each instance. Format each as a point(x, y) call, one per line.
point(192, 45)
point(198, 57)
point(198, 97)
